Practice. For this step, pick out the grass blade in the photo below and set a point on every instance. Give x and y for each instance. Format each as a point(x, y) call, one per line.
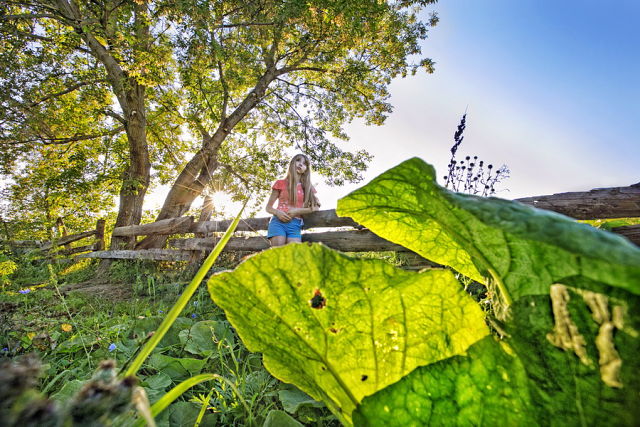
point(183, 300)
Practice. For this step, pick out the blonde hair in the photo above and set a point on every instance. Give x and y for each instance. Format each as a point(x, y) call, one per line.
point(305, 179)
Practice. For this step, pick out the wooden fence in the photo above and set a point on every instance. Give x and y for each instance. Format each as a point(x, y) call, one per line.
point(603, 203)
point(50, 247)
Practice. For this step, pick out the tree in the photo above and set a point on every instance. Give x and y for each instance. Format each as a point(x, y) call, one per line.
point(75, 188)
point(263, 75)
point(249, 78)
point(80, 55)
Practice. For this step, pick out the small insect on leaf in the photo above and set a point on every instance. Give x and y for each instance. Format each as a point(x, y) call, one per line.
point(364, 378)
point(318, 301)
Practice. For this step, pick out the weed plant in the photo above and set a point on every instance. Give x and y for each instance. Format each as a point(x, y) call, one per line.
point(472, 175)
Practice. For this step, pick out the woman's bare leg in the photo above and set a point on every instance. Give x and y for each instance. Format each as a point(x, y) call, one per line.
point(294, 240)
point(278, 241)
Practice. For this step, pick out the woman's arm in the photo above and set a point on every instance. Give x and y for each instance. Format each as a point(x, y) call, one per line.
point(282, 216)
point(315, 206)
point(301, 211)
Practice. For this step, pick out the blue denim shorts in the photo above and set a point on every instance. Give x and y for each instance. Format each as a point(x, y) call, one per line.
point(291, 229)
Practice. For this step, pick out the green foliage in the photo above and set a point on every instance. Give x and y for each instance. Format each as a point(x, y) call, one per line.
point(486, 385)
point(341, 328)
point(564, 295)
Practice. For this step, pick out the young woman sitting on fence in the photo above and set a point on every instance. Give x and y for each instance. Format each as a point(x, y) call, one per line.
point(296, 197)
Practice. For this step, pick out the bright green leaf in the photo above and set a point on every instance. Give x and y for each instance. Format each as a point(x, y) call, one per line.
point(593, 381)
point(521, 249)
point(487, 386)
point(341, 328)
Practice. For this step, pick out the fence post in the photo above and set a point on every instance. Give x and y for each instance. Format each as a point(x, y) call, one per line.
point(62, 231)
point(99, 235)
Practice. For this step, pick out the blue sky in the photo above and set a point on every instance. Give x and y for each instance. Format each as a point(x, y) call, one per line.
point(552, 90)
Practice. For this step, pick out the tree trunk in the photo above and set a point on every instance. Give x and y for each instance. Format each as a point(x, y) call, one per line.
point(187, 187)
point(137, 177)
point(197, 174)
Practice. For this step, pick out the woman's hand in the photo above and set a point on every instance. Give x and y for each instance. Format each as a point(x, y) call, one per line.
point(283, 216)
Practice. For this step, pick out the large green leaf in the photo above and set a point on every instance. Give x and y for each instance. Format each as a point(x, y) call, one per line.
point(341, 328)
point(582, 360)
point(572, 326)
point(489, 386)
point(520, 249)
point(500, 381)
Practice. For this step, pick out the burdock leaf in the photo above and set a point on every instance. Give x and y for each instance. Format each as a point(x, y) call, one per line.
point(572, 326)
point(520, 249)
point(341, 328)
point(489, 386)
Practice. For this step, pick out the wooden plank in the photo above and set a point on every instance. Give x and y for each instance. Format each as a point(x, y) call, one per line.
point(164, 226)
point(150, 254)
point(346, 241)
point(23, 244)
point(76, 250)
point(326, 218)
point(67, 239)
point(600, 203)
point(631, 232)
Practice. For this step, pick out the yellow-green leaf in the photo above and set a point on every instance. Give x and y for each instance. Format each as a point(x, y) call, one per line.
point(341, 328)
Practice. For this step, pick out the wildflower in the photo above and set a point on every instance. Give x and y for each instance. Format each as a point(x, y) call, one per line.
point(193, 316)
point(196, 303)
point(66, 327)
point(160, 311)
point(24, 291)
point(112, 347)
point(5, 349)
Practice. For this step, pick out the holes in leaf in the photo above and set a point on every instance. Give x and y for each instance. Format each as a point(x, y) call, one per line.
point(318, 301)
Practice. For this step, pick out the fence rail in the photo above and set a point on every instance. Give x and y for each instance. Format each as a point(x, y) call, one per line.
point(600, 203)
point(50, 246)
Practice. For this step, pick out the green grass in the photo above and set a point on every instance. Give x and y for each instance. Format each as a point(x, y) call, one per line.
point(73, 332)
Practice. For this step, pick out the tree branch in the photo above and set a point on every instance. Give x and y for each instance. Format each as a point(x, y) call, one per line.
point(27, 16)
point(64, 92)
point(62, 141)
point(116, 116)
